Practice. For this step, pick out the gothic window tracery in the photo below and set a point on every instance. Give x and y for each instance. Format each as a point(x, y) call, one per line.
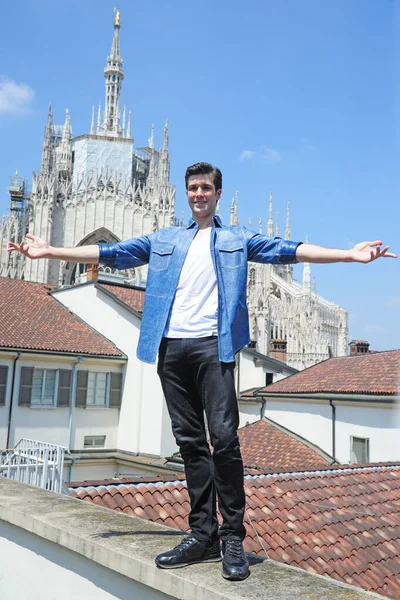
point(252, 277)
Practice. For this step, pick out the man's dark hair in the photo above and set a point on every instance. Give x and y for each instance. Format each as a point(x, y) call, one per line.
point(203, 168)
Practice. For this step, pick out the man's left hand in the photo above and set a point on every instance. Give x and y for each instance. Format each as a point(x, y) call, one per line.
point(366, 252)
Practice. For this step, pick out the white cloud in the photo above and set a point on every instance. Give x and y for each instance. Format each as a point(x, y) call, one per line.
point(247, 154)
point(393, 302)
point(271, 155)
point(14, 97)
point(267, 154)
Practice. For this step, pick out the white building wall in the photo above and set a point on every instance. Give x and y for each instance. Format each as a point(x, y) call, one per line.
point(253, 373)
point(249, 412)
point(51, 423)
point(310, 420)
point(380, 424)
point(143, 424)
point(4, 410)
point(53, 572)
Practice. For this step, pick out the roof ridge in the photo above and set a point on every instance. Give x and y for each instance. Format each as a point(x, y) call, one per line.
point(346, 469)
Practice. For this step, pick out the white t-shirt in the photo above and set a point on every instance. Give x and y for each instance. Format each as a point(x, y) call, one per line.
point(194, 310)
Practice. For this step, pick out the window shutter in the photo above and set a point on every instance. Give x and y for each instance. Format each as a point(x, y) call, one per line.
point(3, 384)
point(25, 388)
point(116, 390)
point(64, 387)
point(81, 388)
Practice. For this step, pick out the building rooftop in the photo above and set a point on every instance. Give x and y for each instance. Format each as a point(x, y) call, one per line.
point(376, 374)
point(31, 319)
point(341, 522)
point(131, 296)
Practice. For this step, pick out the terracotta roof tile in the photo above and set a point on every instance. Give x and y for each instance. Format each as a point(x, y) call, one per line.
point(31, 319)
point(132, 297)
point(375, 373)
point(326, 522)
point(268, 447)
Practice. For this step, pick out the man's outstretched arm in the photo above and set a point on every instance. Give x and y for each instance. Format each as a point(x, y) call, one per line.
point(364, 252)
point(40, 249)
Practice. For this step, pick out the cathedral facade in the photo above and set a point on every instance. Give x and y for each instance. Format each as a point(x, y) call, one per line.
point(99, 187)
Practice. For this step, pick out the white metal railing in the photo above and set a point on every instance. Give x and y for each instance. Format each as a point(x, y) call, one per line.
point(36, 463)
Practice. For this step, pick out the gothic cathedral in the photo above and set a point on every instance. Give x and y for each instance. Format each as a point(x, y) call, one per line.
point(98, 187)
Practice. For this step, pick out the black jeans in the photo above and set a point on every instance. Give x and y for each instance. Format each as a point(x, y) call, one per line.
point(193, 379)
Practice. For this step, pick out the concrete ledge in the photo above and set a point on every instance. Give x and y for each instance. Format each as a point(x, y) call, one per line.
point(127, 545)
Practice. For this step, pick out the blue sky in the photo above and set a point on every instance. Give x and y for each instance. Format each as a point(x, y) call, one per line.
point(295, 97)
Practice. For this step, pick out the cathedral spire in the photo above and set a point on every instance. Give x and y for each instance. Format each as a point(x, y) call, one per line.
point(307, 274)
point(277, 225)
point(99, 118)
point(152, 166)
point(92, 123)
point(47, 153)
point(128, 129)
point(114, 75)
point(64, 151)
point(164, 164)
point(288, 233)
point(235, 209)
point(270, 224)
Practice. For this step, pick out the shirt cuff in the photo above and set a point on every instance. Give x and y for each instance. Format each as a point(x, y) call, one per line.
point(287, 254)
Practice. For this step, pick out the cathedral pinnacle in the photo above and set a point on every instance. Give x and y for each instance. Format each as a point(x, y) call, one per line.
point(307, 274)
point(47, 153)
point(164, 164)
point(270, 224)
point(288, 233)
point(114, 76)
point(117, 18)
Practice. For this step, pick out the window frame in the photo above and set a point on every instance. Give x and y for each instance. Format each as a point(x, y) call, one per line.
point(43, 384)
point(4, 386)
point(366, 449)
point(106, 392)
point(94, 437)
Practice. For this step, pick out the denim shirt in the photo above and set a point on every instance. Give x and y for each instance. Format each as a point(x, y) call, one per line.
point(165, 252)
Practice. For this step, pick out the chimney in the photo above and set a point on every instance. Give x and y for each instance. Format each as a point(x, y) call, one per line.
point(359, 347)
point(92, 272)
point(278, 349)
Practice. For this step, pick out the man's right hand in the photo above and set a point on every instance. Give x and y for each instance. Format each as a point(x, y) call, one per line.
point(36, 249)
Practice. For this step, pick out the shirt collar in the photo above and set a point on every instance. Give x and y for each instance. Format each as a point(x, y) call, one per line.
point(216, 221)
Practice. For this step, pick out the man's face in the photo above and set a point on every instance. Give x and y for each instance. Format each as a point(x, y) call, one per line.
point(202, 196)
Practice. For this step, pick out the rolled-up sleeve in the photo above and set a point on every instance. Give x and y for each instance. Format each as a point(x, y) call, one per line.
point(126, 255)
point(271, 250)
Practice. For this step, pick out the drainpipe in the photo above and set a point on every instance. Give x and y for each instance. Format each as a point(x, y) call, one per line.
point(70, 469)
point(333, 428)
point(11, 400)
point(263, 404)
point(71, 399)
point(238, 376)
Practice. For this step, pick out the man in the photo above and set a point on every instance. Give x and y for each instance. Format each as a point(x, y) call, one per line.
point(195, 317)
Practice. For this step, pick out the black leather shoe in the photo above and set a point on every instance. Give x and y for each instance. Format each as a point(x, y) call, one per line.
point(235, 565)
point(189, 552)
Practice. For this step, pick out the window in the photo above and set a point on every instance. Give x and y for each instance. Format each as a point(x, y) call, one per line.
point(3, 384)
point(269, 377)
point(252, 277)
point(44, 386)
point(94, 441)
point(359, 450)
point(97, 389)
